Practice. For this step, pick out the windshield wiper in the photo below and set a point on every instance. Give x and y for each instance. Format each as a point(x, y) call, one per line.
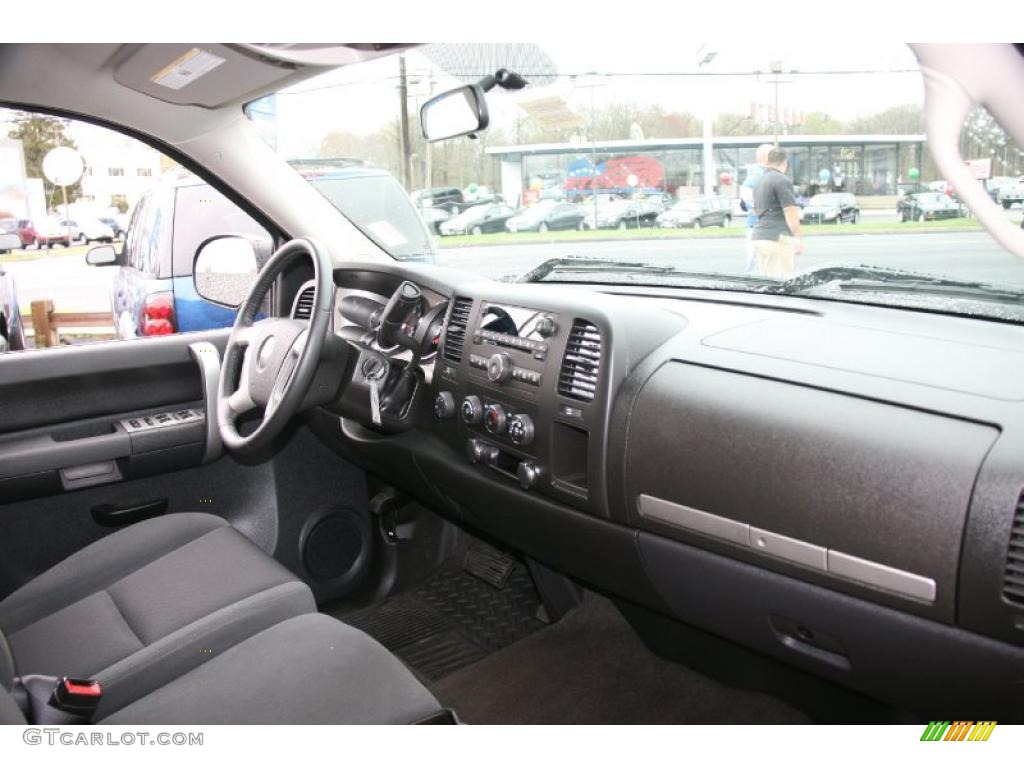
point(589, 265)
point(888, 280)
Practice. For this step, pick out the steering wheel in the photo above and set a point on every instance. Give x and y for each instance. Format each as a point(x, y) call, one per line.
point(270, 363)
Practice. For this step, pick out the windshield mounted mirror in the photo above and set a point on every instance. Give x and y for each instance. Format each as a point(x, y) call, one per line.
point(460, 112)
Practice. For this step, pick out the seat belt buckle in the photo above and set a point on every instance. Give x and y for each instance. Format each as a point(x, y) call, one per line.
point(77, 696)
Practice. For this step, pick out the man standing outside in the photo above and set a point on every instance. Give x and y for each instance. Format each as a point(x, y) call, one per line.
point(747, 197)
point(777, 235)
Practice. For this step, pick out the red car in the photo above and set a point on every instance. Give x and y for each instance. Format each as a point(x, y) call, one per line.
point(51, 233)
point(23, 228)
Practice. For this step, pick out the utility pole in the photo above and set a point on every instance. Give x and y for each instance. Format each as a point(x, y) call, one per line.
point(704, 57)
point(403, 95)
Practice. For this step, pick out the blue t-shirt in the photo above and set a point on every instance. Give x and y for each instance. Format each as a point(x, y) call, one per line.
point(754, 175)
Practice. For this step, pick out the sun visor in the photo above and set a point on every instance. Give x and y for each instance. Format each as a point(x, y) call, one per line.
point(205, 75)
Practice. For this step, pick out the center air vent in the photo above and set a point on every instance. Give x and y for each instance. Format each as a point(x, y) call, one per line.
point(581, 363)
point(455, 336)
point(1013, 578)
point(303, 307)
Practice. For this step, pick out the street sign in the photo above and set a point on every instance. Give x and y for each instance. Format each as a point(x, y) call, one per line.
point(63, 166)
point(980, 168)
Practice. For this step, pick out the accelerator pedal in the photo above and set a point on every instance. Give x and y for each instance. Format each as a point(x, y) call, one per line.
point(488, 564)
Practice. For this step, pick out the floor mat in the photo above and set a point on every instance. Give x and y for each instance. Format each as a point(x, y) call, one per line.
point(591, 667)
point(452, 620)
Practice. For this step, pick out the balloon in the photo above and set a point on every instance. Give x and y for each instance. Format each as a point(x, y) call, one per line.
point(824, 175)
point(914, 174)
point(471, 189)
point(725, 178)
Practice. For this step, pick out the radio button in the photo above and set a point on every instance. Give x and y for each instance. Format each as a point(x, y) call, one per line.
point(499, 368)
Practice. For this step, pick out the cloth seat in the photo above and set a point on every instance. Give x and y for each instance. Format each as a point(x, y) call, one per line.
point(145, 605)
point(311, 669)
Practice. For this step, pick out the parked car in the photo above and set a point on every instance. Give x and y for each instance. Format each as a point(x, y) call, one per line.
point(697, 212)
point(621, 214)
point(433, 217)
point(831, 208)
point(50, 232)
point(1011, 193)
point(479, 219)
point(152, 292)
point(115, 226)
point(928, 206)
point(12, 333)
point(23, 228)
point(547, 215)
point(449, 198)
point(87, 230)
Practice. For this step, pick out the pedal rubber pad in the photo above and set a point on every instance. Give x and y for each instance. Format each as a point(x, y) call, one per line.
point(489, 565)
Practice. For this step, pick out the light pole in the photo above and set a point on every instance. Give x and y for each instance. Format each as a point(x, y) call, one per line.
point(704, 57)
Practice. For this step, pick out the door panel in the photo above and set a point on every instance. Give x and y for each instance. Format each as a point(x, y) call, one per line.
point(61, 411)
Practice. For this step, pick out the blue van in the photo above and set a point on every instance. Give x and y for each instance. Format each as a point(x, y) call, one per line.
point(153, 293)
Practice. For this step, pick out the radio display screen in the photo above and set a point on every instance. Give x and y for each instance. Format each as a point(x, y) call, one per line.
point(514, 321)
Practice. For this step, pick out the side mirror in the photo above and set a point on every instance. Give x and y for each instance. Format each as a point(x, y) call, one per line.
point(225, 269)
point(8, 242)
point(101, 256)
point(454, 113)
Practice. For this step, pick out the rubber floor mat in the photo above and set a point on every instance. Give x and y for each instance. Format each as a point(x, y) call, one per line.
point(452, 620)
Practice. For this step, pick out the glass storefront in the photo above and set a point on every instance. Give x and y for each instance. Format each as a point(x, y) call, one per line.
point(864, 169)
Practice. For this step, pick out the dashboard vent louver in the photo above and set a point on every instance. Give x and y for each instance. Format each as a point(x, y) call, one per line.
point(303, 308)
point(455, 335)
point(1013, 577)
point(581, 363)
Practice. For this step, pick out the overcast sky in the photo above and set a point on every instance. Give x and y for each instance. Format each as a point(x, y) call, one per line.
point(362, 98)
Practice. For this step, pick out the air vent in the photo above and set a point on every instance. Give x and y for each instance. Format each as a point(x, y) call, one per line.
point(458, 322)
point(581, 363)
point(1013, 578)
point(303, 307)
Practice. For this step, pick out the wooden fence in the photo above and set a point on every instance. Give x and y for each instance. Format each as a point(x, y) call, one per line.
point(47, 324)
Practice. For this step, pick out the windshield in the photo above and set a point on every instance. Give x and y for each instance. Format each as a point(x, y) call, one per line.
point(631, 136)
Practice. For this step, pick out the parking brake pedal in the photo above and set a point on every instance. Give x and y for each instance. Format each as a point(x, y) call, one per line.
point(489, 565)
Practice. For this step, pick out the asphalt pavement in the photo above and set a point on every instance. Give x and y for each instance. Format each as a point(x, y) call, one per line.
point(961, 255)
point(75, 286)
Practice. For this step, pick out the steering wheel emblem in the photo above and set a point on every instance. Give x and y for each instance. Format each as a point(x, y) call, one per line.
point(265, 354)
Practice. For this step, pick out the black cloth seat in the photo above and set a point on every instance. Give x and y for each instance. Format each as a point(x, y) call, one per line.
point(146, 604)
point(312, 669)
point(184, 620)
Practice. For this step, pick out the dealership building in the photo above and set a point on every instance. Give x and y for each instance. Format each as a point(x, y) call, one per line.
point(866, 165)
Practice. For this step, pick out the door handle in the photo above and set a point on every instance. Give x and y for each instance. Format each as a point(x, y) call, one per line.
point(117, 515)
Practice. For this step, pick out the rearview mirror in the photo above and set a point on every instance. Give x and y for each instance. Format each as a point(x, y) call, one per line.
point(454, 113)
point(101, 256)
point(225, 270)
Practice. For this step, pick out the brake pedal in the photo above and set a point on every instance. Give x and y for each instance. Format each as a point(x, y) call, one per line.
point(489, 565)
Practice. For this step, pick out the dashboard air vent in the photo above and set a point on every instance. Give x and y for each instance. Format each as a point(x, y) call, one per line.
point(581, 363)
point(1013, 578)
point(458, 322)
point(303, 308)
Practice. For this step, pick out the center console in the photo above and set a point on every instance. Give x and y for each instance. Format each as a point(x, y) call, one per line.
point(517, 392)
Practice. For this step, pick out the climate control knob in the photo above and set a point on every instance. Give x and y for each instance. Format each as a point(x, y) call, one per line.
point(472, 410)
point(444, 405)
point(528, 474)
point(499, 368)
point(520, 429)
point(494, 419)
